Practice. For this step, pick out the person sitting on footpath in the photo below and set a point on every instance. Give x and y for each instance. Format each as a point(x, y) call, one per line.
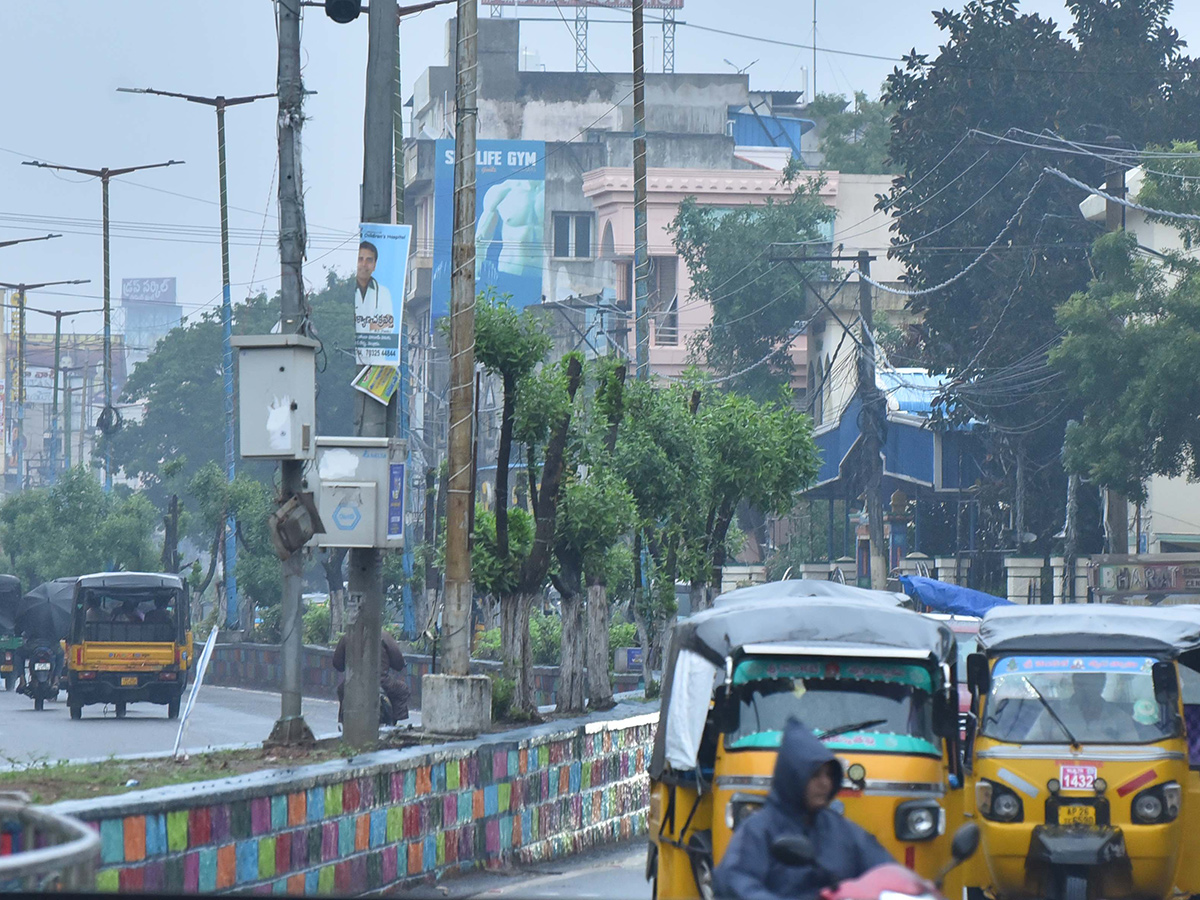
point(391, 657)
point(807, 778)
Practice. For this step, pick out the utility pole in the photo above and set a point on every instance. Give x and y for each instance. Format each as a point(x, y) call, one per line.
point(874, 404)
point(641, 251)
point(291, 727)
point(456, 640)
point(108, 418)
point(21, 289)
point(220, 103)
point(363, 632)
point(874, 422)
point(1116, 517)
point(54, 424)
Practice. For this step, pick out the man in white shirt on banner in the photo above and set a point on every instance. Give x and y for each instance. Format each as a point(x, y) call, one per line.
point(372, 301)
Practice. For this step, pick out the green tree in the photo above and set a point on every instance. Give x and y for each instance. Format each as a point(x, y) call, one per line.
point(72, 528)
point(1119, 71)
point(757, 302)
point(1131, 341)
point(855, 137)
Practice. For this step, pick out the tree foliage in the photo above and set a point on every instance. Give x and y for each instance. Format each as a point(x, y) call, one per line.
point(1129, 355)
point(855, 137)
point(1119, 70)
point(757, 302)
point(72, 528)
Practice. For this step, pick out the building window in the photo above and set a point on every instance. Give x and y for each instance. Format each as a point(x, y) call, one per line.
point(663, 301)
point(573, 235)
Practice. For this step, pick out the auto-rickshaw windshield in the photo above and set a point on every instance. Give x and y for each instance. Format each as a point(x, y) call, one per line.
point(883, 706)
point(1079, 699)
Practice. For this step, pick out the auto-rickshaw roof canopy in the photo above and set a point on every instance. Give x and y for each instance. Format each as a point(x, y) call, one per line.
point(759, 618)
point(789, 623)
point(805, 587)
point(1088, 628)
point(130, 580)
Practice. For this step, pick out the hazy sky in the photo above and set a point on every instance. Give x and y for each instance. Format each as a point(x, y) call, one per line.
point(64, 60)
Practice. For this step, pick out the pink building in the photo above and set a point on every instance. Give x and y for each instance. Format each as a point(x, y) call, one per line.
point(674, 316)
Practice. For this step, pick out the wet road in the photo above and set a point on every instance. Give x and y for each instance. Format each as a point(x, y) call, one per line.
point(222, 716)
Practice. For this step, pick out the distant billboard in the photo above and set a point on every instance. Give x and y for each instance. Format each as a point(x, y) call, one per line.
point(151, 310)
point(148, 290)
point(510, 211)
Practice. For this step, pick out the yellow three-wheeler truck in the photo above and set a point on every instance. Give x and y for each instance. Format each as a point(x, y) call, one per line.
point(874, 681)
point(1080, 773)
point(130, 640)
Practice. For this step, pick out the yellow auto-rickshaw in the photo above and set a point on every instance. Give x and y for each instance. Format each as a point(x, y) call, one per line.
point(873, 680)
point(130, 641)
point(1080, 774)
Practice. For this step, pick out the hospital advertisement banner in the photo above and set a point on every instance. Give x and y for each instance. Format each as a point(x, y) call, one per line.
point(510, 210)
point(379, 293)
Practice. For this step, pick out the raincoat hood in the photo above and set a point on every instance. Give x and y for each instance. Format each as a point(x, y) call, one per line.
point(801, 755)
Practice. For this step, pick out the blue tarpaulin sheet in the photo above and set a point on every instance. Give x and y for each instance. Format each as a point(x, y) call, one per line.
point(950, 598)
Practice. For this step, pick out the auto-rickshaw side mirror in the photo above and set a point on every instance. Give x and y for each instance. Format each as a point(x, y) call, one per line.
point(979, 677)
point(1165, 682)
point(962, 847)
point(725, 711)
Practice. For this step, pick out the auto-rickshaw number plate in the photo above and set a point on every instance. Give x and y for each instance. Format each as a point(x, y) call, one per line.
point(1077, 815)
point(1077, 778)
point(128, 681)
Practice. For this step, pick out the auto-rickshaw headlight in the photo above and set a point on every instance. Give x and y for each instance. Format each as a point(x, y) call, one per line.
point(740, 807)
point(919, 820)
point(1158, 804)
point(997, 802)
point(1147, 807)
point(857, 773)
point(1100, 785)
point(1053, 786)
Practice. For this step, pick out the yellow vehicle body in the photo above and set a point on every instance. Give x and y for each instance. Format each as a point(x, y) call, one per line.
point(692, 818)
point(1074, 824)
point(120, 659)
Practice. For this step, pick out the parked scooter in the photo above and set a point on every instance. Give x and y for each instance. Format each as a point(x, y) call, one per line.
point(893, 881)
point(387, 716)
point(42, 684)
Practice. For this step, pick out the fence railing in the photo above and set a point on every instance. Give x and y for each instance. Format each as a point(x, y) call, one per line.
point(43, 851)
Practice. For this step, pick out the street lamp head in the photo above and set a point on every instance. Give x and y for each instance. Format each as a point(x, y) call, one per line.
point(343, 11)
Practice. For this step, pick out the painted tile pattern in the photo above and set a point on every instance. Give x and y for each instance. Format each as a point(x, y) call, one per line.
point(259, 666)
point(390, 825)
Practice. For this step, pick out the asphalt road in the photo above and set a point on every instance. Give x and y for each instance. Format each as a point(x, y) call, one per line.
point(222, 716)
point(613, 874)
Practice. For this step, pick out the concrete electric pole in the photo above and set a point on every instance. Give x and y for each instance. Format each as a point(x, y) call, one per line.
point(108, 418)
point(372, 419)
point(874, 423)
point(1116, 504)
point(641, 250)
point(291, 727)
point(220, 103)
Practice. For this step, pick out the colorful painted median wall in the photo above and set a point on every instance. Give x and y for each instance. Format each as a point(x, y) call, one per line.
point(384, 819)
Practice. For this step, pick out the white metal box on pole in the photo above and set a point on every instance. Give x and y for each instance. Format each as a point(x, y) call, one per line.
point(360, 491)
point(277, 395)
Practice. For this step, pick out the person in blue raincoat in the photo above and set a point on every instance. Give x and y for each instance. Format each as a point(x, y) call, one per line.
point(807, 778)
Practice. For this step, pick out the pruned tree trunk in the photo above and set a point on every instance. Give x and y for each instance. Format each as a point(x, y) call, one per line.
point(698, 595)
point(599, 685)
point(647, 645)
point(515, 649)
point(571, 670)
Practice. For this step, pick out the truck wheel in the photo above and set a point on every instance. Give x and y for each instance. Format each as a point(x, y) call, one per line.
point(76, 710)
point(173, 708)
point(120, 710)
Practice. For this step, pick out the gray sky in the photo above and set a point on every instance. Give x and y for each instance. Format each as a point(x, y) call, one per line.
point(64, 60)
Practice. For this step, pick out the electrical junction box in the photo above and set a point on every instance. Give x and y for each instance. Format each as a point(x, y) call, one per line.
point(277, 395)
point(360, 488)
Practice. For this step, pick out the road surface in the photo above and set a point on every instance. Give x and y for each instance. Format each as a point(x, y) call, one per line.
point(617, 873)
point(222, 716)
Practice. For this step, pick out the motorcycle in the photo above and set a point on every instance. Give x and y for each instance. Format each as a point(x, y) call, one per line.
point(43, 680)
point(387, 716)
point(887, 882)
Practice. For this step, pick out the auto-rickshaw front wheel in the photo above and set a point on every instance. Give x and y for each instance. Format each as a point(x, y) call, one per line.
point(173, 708)
point(1074, 887)
point(76, 710)
point(120, 710)
point(10, 678)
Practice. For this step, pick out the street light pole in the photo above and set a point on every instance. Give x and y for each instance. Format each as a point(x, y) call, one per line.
point(21, 289)
point(220, 103)
point(108, 416)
